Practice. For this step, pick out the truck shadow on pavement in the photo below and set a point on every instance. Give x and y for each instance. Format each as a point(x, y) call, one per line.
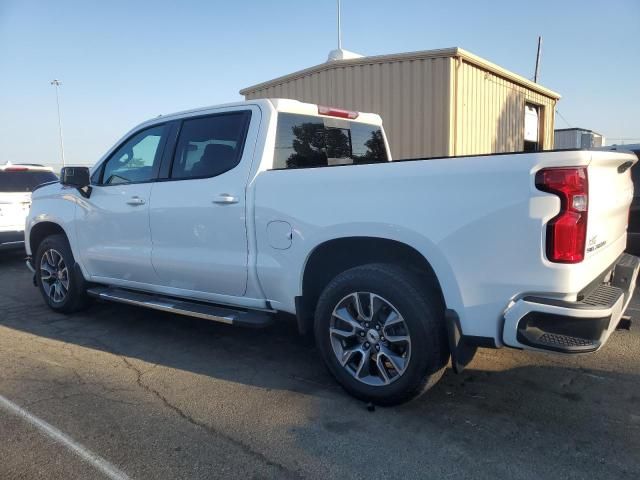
point(549, 408)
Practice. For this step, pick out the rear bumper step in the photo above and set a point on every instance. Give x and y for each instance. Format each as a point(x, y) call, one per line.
point(561, 334)
point(244, 318)
point(573, 327)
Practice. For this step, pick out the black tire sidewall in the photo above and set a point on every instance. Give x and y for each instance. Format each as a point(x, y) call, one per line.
point(422, 317)
point(74, 294)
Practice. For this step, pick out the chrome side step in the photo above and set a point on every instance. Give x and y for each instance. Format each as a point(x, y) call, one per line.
point(245, 318)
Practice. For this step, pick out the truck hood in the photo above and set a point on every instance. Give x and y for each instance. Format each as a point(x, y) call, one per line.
point(48, 190)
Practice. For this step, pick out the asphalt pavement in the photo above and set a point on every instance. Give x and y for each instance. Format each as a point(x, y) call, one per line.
point(155, 396)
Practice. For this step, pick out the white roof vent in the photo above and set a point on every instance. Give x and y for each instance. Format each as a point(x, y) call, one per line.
point(342, 54)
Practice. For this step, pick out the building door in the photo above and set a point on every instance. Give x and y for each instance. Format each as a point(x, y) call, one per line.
point(532, 135)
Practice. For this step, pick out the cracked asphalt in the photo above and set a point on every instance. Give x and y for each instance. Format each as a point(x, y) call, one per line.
point(161, 396)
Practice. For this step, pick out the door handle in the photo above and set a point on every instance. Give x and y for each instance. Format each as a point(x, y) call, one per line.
point(226, 199)
point(135, 201)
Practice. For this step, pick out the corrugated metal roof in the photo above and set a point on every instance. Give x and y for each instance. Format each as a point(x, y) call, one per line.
point(577, 128)
point(424, 54)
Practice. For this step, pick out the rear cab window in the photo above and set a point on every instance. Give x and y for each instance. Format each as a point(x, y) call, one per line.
point(306, 141)
point(24, 180)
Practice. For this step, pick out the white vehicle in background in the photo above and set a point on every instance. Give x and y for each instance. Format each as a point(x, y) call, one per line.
point(17, 181)
point(238, 212)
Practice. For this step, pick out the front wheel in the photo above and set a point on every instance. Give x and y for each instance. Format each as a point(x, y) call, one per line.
point(61, 286)
point(381, 332)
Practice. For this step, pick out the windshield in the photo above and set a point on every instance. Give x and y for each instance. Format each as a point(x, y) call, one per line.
point(24, 181)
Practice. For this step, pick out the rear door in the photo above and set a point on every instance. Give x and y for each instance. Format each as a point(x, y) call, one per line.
point(113, 223)
point(198, 211)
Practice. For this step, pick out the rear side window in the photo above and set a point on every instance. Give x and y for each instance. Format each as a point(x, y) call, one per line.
point(24, 181)
point(209, 146)
point(304, 141)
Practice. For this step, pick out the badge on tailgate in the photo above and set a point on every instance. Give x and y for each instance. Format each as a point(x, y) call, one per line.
point(593, 244)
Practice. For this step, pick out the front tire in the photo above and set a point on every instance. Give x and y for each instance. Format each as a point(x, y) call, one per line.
point(381, 332)
point(61, 285)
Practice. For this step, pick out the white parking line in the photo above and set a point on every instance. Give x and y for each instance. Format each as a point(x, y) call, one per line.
point(97, 461)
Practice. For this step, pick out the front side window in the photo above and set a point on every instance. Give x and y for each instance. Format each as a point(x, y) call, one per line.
point(304, 141)
point(210, 146)
point(136, 160)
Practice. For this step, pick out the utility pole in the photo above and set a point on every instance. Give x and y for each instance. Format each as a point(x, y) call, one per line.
point(535, 76)
point(339, 28)
point(57, 83)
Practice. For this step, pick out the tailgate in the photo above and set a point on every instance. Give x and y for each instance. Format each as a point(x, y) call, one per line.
point(610, 195)
point(14, 208)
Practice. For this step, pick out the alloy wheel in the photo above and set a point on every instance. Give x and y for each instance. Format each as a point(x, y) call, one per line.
point(370, 338)
point(54, 275)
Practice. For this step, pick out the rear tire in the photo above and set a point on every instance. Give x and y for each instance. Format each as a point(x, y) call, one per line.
point(355, 312)
point(59, 280)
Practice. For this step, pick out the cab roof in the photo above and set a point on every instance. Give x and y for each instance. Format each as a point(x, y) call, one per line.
point(279, 104)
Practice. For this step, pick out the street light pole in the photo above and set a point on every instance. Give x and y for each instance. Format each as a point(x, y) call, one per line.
point(535, 75)
point(57, 83)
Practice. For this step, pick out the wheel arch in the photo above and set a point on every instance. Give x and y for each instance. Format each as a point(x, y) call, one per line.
point(334, 256)
point(42, 230)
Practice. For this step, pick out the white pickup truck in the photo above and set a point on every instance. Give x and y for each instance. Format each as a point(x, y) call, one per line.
point(238, 212)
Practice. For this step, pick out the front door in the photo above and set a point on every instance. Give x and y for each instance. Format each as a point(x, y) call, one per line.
point(198, 213)
point(113, 223)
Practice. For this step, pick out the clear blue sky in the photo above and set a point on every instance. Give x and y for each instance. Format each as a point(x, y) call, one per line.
point(122, 62)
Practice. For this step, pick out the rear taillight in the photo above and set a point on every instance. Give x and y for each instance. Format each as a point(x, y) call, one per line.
point(567, 231)
point(337, 112)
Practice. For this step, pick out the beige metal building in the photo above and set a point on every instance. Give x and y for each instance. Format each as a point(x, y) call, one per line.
point(433, 103)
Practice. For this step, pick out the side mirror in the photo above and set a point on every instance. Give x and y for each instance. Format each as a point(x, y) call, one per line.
point(78, 177)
